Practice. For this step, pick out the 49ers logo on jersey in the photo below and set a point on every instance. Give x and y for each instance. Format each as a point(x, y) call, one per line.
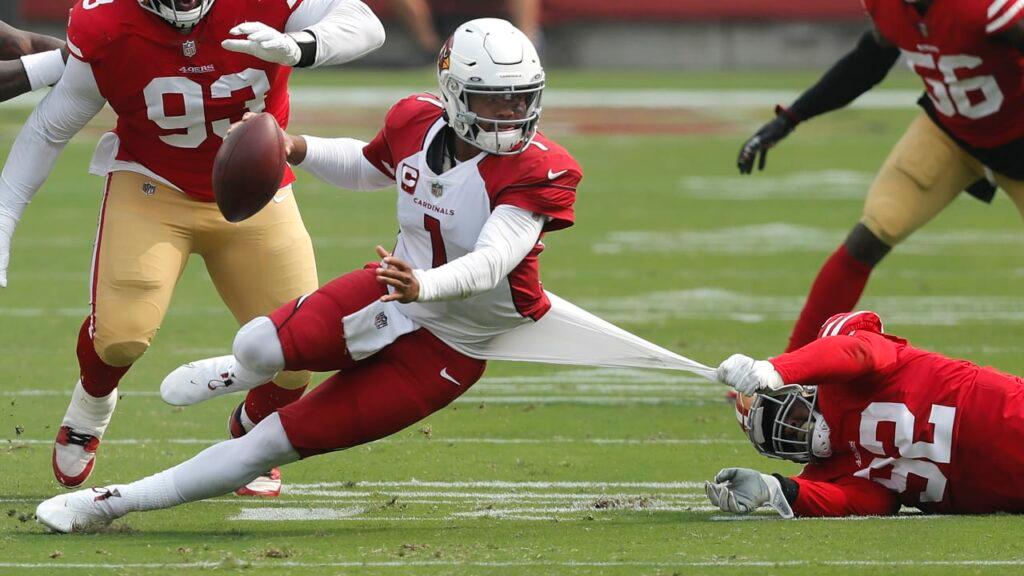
point(410, 176)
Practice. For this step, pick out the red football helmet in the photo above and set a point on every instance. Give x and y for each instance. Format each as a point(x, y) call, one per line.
point(847, 323)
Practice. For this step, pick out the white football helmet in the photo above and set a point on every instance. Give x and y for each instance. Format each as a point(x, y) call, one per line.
point(490, 57)
point(185, 17)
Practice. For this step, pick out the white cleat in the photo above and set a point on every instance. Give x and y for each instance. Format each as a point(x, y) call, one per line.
point(198, 381)
point(79, 511)
point(74, 454)
point(266, 486)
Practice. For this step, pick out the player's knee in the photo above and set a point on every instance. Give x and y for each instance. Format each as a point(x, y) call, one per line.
point(257, 346)
point(121, 352)
point(293, 380)
point(866, 246)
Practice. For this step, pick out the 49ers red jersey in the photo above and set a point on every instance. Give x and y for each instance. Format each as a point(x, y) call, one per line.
point(974, 79)
point(441, 215)
point(176, 94)
point(909, 426)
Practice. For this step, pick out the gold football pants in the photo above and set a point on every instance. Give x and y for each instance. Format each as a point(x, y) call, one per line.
point(924, 172)
point(147, 232)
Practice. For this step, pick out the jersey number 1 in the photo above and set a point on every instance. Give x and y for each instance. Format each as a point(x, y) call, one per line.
point(433, 226)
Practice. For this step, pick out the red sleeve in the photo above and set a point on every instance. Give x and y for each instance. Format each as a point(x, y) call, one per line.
point(837, 359)
point(1000, 16)
point(405, 126)
point(89, 30)
point(543, 179)
point(846, 496)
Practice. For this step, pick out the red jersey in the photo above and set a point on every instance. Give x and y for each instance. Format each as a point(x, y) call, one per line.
point(908, 427)
point(974, 80)
point(176, 94)
point(441, 215)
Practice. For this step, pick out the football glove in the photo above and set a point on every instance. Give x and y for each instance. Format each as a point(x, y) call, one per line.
point(749, 376)
point(264, 43)
point(7, 225)
point(742, 490)
point(769, 135)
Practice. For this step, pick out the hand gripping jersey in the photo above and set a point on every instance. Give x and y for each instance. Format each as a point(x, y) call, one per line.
point(974, 80)
point(909, 427)
point(176, 94)
point(441, 215)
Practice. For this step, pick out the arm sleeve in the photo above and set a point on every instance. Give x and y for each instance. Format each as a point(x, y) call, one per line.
point(61, 114)
point(836, 359)
point(506, 238)
point(1002, 16)
point(847, 496)
point(341, 30)
point(854, 74)
point(340, 161)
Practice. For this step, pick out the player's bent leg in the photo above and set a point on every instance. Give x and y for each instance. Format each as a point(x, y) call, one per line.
point(924, 172)
point(139, 254)
point(257, 358)
point(217, 470)
point(404, 383)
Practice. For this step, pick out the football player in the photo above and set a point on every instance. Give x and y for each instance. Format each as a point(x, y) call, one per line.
point(970, 134)
point(28, 61)
point(476, 186)
point(177, 73)
point(879, 424)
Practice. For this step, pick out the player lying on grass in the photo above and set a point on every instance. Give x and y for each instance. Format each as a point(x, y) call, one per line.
point(28, 61)
point(177, 73)
point(477, 186)
point(969, 135)
point(879, 424)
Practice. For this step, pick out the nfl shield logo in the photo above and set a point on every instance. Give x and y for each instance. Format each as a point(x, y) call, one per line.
point(436, 189)
point(148, 188)
point(188, 48)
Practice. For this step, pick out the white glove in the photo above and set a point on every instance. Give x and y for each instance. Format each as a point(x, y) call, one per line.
point(7, 225)
point(264, 43)
point(748, 376)
point(742, 490)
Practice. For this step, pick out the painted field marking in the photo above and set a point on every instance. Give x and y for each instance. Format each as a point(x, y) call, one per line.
point(275, 514)
point(435, 440)
point(660, 99)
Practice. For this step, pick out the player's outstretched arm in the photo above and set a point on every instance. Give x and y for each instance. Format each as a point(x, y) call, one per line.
point(15, 43)
point(61, 114)
point(742, 490)
point(854, 74)
point(319, 33)
point(338, 161)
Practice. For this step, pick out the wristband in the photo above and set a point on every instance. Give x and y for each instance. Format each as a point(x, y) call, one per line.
point(43, 68)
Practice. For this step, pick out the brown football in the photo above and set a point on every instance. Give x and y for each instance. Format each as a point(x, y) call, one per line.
point(249, 166)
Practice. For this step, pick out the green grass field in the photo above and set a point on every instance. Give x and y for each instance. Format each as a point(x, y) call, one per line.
point(538, 469)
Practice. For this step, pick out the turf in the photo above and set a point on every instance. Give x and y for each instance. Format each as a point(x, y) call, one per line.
point(539, 469)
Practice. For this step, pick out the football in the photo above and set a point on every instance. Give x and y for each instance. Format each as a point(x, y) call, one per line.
point(249, 166)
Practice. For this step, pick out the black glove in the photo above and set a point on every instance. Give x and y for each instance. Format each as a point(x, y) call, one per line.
point(769, 135)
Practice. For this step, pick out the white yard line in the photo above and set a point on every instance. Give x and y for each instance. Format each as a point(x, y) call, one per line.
point(333, 97)
point(497, 484)
point(423, 441)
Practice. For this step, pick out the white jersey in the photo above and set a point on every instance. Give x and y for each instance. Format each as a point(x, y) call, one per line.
point(440, 217)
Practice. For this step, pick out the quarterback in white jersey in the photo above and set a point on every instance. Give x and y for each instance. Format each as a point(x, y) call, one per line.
point(477, 186)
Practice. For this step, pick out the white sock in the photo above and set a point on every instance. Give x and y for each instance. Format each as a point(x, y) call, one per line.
point(218, 470)
point(89, 414)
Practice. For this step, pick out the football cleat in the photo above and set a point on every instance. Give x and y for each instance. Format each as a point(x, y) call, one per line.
point(267, 485)
point(79, 511)
point(74, 454)
point(198, 381)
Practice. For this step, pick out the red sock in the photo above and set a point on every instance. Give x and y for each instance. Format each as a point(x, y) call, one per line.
point(98, 377)
point(264, 400)
point(837, 288)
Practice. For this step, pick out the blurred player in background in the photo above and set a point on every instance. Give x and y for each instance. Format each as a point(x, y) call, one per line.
point(419, 20)
point(28, 61)
point(177, 73)
point(476, 188)
point(969, 136)
point(881, 425)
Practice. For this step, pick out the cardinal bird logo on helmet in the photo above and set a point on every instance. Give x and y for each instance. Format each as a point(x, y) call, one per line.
point(444, 59)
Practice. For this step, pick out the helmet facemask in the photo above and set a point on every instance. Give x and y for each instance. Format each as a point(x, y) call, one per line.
point(497, 135)
point(783, 426)
point(184, 17)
